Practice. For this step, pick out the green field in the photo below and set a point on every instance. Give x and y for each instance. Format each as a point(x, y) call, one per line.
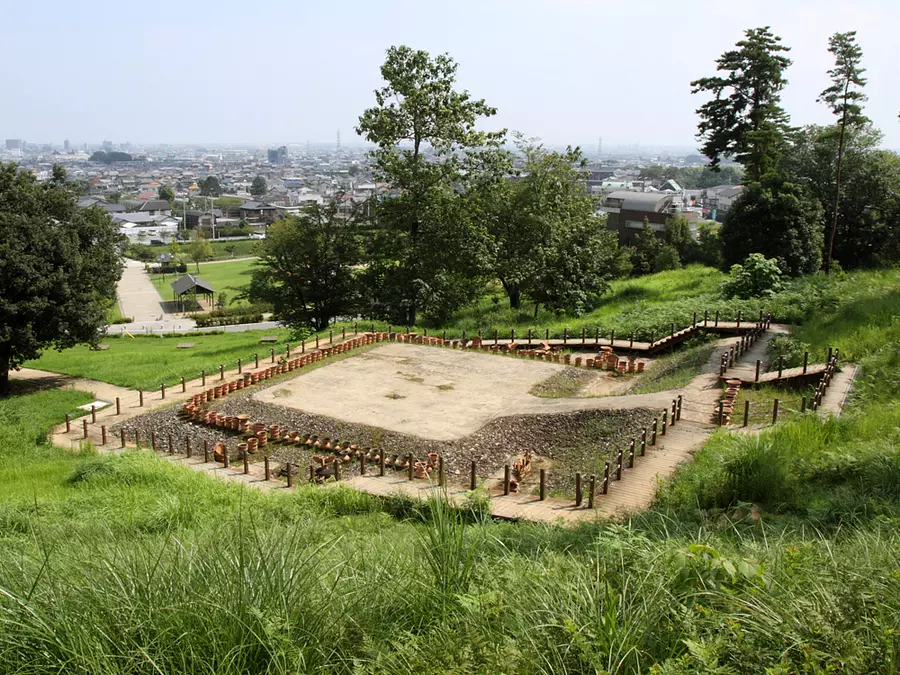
point(224, 277)
point(144, 362)
point(130, 564)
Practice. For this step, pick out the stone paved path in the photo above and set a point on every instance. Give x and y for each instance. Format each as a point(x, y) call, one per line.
point(139, 299)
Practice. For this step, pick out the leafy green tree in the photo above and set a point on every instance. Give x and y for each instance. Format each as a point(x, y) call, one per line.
point(113, 197)
point(229, 249)
point(677, 234)
point(210, 187)
point(199, 250)
point(778, 219)
point(870, 180)
point(428, 149)
point(307, 267)
point(175, 251)
point(59, 266)
point(258, 187)
point(758, 276)
point(167, 193)
point(709, 245)
point(546, 241)
point(650, 253)
point(845, 98)
point(745, 119)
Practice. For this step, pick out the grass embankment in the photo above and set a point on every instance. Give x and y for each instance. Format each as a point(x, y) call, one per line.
point(675, 370)
point(146, 361)
point(224, 277)
point(831, 471)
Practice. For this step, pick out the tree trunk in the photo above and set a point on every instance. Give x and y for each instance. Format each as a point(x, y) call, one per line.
point(515, 298)
point(4, 376)
point(837, 192)
point(537, 306)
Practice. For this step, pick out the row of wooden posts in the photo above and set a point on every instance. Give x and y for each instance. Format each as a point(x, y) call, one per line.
point(707, 320)
point(612, 470)
point(737, 350)
point(813, 403)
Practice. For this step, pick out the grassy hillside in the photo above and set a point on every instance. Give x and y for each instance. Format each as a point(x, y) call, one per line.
point(127, 564)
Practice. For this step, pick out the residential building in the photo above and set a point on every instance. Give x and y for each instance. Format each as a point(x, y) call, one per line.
point(626, 211)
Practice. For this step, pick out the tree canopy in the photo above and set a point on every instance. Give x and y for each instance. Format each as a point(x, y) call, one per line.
point(59, 266)
point(210, 187)
point(167, 193)
point(307, 267)
point(258, 187)
point(745, 118)
point(110, 157)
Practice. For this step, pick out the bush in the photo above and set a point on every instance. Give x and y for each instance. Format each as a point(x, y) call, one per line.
point(169, 269)
point(757, 277)
point(122, 319)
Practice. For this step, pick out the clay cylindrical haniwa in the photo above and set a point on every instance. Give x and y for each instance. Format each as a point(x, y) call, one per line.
point(252, 444)
point(263, 438)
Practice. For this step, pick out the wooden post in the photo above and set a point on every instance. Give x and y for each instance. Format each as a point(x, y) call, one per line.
point(343, 336)
point(206, 451)
point(162, 391)
point(605, 489)
point(529, 337)
point(651, 338)
point(103, 435)
point(506, 479)
point(631, 341)
point(565, 335)
point(775, 411)
point(694, 320)
point(272, 353)
point(362, 465)
point(583, 333)
point(93, 414)
point(780, 366)
point(758, 364)
point(187, 446)
point(122, 436)
point(410, 458)
point(255, 359)
point(331, 336)
point(578, 496)
point(118, 406)
point(153, 440)
point(246, 458)
point(717, 319)
point(805, 361)
point(472, 477)
point(543, 486)
point(674, 411)
point(171, 445)
point(631, 455)
point(184, 383)
point(68, 423)
point(240, 367)
point(441, 471)
point(665, 421)
point(803, 404)
point(267, 468)
point(225, 457)
point(546, 333)
point(740, 316)
point(705, 317)
point(746, 412)
point(140, 398)
point(290, 474)
point(653, 437)
point(619, 459)
point(381, 462)
point(612, 336)
point(680, 402)
point(591, 492)
point(203, 377)
point(221, 371)
point(644, 442)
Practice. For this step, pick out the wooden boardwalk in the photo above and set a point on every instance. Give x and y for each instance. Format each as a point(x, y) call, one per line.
point(746, 373)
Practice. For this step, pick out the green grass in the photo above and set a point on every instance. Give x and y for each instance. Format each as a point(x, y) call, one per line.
point(564, 384)
point(129, 564)
point(243, 248)
point(144, 362)
point(222, 276)
point(674, 370)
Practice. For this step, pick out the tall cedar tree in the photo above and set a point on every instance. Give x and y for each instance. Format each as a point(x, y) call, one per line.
point(745, 119)
point(258, 187)
point(306, 267)
point(845, 99)
point(419, 110)
point(59, 266)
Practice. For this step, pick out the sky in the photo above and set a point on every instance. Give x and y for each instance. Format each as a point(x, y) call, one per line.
point(291, 71)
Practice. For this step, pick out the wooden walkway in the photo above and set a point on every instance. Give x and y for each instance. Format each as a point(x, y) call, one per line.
point(746, 373)
point(587, 342)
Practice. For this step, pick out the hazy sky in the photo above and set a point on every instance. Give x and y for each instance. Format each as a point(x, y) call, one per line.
point(297, 70)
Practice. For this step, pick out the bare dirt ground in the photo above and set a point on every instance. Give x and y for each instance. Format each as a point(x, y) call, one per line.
point(438, 394)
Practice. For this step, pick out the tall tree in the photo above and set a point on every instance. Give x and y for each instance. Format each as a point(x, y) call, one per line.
point(210, 187)
point(59, 266)
point(424, 129)
point(845, 98)
point(546, 241)
point(745, 118)
point(199, 250)
point(307, 267)
point(258, 187)
point(167, 193)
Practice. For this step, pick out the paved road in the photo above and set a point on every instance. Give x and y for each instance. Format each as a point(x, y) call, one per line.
point(139, 299)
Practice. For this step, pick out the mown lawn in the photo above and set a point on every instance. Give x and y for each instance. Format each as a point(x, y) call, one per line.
point(224, 277)
point(146, 361)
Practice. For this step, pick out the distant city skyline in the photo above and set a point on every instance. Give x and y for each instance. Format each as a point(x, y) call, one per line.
point(277, 72)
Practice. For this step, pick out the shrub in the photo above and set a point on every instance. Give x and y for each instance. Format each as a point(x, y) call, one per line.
point(757, 277)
